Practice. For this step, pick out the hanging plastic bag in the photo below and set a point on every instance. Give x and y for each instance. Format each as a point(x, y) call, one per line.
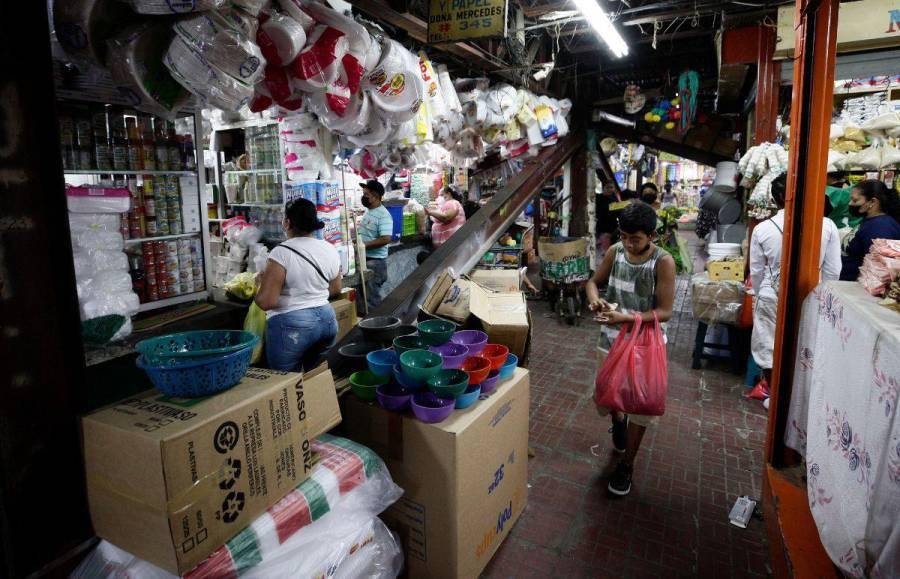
point(255, 323)
point(634, 377)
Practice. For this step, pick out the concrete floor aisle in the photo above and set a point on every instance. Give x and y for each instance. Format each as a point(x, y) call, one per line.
point(706, 451)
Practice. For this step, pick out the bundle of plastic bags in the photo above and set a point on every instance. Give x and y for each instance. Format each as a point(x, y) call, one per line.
point(327, 527)
point(880, 266)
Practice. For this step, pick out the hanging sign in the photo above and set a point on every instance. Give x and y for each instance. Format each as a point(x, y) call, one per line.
point(451, 20)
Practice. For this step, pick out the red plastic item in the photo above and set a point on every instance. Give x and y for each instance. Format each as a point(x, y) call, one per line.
point(760, 391)
point(477, 368)
point(635, 376)
point(496, 354)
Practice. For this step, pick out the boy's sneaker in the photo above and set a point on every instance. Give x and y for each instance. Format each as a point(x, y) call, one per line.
point(619, 430)
point(620, 481)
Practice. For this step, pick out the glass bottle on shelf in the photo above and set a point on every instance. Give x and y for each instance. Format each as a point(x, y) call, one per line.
point(102, 151)
point(148, 144)
point(134, 144)
point(190, 161)
point(119, 142)
point(161, 146)
point(174, 148)
point(85, 144)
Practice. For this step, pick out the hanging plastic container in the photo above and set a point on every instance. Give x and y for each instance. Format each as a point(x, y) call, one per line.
point(395, 83)
point(222, 46)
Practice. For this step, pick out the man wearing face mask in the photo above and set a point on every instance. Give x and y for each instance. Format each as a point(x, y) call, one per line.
point(879, 208)
point(375, 231)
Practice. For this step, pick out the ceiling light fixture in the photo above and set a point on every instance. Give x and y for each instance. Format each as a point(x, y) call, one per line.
point(602, 25)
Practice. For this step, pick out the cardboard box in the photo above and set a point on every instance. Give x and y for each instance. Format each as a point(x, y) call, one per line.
point(498, 280)
point(345, 311)
point(564, 261)
point(716, 302)
point(464, 480)
point(437, 292)
point(725, 270)
point(171, 480)
point(504, 317)
point(455, 305)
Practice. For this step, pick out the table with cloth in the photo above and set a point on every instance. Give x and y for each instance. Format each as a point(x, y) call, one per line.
point(843, 419)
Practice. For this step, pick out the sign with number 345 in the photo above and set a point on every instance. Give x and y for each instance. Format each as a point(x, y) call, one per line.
point(450, 20)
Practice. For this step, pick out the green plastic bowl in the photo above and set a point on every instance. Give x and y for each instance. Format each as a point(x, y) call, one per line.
point(449, 383)
point(420, 365)
point(436, 332)
point(364, 384)
point(404, 344)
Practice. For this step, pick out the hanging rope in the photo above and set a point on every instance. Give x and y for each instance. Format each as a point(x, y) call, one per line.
point(688, 86)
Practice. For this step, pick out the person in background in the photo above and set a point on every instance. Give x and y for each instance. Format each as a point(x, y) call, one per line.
point(879, 208)
point(838, 198)
point(606, 222)
point(300, 275)
point(375, 231)
point(765, 273)
point(668, 198)
point(650, 195)
point(447, 216)
point(640, 278)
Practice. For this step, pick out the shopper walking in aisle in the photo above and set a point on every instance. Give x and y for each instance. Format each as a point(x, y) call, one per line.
point(650, 195)
point(879, 208)
point(447, 216)
point(606, 222)
point(837, 199)
point(300, 275)
point(375, 230)
point(765, 273)
point(640, 278)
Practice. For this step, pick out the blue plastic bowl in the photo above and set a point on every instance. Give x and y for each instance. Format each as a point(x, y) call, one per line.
point(404, 379)
point(193, 345)
point(197, 377)
point(508, 369)
point(469, 397)
point(381, 362)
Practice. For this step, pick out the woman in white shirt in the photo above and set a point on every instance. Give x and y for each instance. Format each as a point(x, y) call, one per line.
point(301, 274)
point(765, 273)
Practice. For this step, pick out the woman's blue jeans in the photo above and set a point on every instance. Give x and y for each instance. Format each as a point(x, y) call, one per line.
point(296, 340)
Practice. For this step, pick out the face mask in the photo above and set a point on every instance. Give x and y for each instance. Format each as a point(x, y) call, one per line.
point(856, 210)
point(366, 203)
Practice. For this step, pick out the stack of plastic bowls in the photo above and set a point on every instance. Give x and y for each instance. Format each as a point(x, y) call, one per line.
point(474, 340)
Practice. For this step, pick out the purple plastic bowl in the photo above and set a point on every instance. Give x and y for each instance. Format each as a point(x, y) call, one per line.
point(453, 354)
point(393, 397)
point(432, 409)
point(472, 339)
point(490, 383)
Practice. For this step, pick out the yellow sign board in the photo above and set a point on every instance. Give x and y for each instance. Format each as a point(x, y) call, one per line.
point(451, 20)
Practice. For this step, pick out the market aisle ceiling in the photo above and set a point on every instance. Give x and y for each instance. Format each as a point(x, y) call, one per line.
point(664, 37)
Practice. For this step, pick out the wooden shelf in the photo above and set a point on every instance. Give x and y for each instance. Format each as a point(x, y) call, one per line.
point(180, 299)
point(160, 237)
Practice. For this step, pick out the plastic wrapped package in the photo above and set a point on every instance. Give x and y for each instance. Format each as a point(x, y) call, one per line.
point(104, 304)
point(868, 159)
point(281, 38)
point(98, 199)
point(134, 61)
point(396, 85)
point(432, 88)
point(890, 157)
point(94, 222)
point(836, 161)
point(97, 239)
point(321, 61)
point(253, 7)
point(173, 6)
point(103, 282)
point(716, 302)
point(448, 92)
point(377, 132)
point(240, 21)
point(223, 45)
point(88, 263)
point(83, 26)
point(882, 124)
point(197, 75)
point(326, 527)
point(296, 9)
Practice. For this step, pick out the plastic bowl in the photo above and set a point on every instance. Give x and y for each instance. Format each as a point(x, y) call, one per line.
point(449, 383)
point(364, 384)
point(472, 339)
point(379, 329)
point(404, 344)
point(508, 369)
point(420, 365)
point(496, 353)
point(198, 344)
point(477, 368)
point(405, 380)
point(393, 397)
point(490, 383)
point(381, 362)
point(469, 397)
point(453, 354)
point(432, 409)
point(196, 377)
point(354, 354)
point(436, 332)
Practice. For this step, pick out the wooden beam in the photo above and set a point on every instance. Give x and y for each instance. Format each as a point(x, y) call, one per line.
point(637, 136)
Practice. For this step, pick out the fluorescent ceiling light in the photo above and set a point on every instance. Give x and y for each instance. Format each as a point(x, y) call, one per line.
point(603, 26)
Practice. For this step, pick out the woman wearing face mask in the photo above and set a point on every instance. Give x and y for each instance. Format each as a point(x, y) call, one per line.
point(301, 274)
point(879, 207)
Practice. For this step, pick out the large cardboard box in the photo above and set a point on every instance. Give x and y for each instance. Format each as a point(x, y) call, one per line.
point(464, 480)
point(171, 480)
point(498, 280)
point(566, 260)
point(345, 311)
point(504, 316)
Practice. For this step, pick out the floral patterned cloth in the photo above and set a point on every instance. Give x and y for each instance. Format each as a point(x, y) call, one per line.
point(843, 418)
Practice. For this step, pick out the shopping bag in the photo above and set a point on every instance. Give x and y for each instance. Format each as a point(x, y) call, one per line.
point(634, 377)
point(255, 323)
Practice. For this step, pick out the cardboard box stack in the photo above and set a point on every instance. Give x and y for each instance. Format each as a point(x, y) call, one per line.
point(171, 480)
point(716, 302)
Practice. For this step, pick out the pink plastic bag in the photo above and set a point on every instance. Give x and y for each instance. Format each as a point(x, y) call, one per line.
point(635, 378)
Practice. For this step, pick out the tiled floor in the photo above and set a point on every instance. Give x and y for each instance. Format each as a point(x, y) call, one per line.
point(706, 451)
